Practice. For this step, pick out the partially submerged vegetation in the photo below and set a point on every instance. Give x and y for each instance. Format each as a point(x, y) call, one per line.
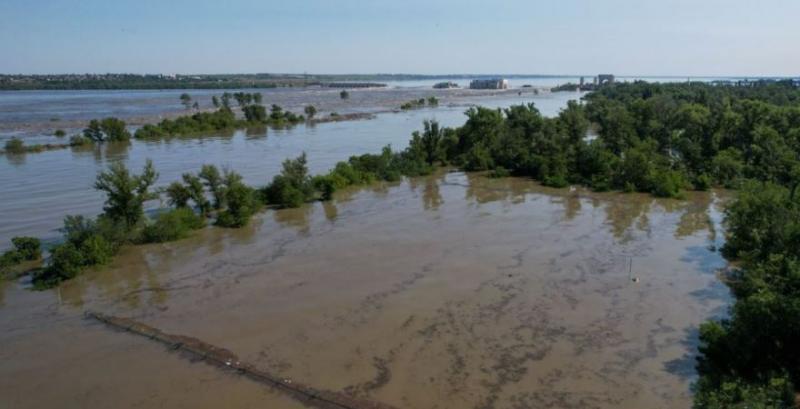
point(420, 103)
point(752, 358)
point(224, 118)
point(659, 139)
point(24, 249)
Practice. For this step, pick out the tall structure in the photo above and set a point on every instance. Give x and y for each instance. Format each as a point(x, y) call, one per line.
point(604, 79)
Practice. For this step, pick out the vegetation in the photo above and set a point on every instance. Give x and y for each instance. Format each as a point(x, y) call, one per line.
point(24, 249)
point(108, 129)
point(59, 133)
point(126, 193)
point(344, 94)
point(186, 100)
point(566, 87)
point(15, 146)
point(310, 111)
point(172, 225)
point(420, 103)
point(201, 122)
point(223, 119)
point(752, 359)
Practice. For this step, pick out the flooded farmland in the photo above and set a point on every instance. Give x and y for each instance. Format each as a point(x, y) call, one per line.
point(449, 291)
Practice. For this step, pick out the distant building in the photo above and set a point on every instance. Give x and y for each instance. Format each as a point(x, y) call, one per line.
point(494, 83)
point(604, 79)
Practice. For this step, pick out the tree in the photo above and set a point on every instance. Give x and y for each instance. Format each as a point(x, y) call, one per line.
point(255, 113)
point(428, 146)
point(126, 193)
point(344, 94)
point(109, 129)
point(178, 194)
point(215, 101)
point(258, 97)
point(194, 185)
point(186, 100)
point(213, 181)
point(240, 200)
point(310, 111)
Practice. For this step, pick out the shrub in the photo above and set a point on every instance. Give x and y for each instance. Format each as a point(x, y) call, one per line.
point(310, 111)
point(66, 262)
point(59, 133)
point(325, 185)
point(108, 129)
point(29, 248)
point(172, 225)
point(293, 186)
point(777, 393)
point(499, 172)
point(79, 140)
point(668, 183)
point(255, 113)
point(242, 204)
point(703, 182)
point(15, 146)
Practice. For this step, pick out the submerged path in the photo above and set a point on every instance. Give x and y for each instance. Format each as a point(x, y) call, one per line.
point(225, 359)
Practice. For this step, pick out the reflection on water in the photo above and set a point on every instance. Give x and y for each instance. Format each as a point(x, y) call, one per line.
point(451, 290)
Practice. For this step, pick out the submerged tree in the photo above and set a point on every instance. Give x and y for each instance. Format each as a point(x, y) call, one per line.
point(186, 100)
point(126, 192)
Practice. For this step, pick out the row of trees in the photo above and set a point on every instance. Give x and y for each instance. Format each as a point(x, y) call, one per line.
point(752, 358)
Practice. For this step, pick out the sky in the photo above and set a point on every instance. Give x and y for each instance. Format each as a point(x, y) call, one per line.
point(575, 37)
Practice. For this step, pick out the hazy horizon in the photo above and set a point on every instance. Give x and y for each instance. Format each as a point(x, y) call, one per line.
point(670, 38)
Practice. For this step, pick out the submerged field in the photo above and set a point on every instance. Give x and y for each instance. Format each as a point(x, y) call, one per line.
point(453, 290)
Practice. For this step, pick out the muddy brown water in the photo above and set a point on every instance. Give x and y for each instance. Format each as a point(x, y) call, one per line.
point(450, 291)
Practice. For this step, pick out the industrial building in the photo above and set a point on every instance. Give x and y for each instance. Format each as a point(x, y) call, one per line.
point(494, 83)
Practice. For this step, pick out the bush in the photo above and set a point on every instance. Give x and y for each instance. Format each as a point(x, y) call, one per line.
point(242, 204)
point(172, 225)
point(777, 393)
point(703, 182)
point(15, 146)
point(255, 113)
point(108, 129)
point(29, 248)
point(499, 172)
point(668, 183)
point(59, 133)
point(79, 140)
point(66, 262)
point(293, 186)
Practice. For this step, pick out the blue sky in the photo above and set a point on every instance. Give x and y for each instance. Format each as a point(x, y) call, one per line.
point(626, 37)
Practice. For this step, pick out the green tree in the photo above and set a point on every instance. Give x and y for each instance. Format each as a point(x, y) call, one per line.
point(310, 111)
point(126, 192)
point(186, 100)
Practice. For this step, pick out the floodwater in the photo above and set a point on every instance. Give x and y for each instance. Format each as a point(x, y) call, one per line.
point(39, 189)
point(449, 291)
